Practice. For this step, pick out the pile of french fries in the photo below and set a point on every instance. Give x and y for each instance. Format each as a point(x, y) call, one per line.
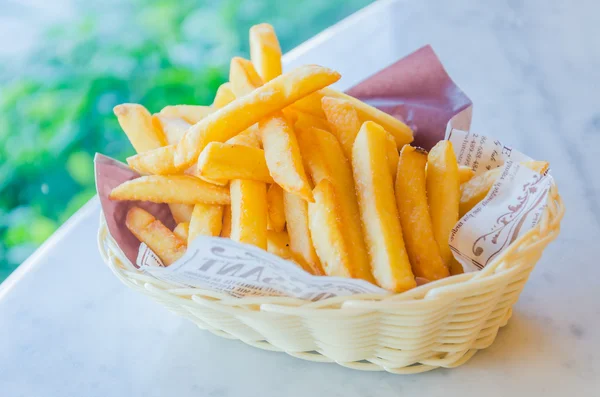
point(283, 162)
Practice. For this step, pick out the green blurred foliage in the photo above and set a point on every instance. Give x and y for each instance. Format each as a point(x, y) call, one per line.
point(56, 105)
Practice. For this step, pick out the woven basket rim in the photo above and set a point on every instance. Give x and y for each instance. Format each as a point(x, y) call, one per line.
point(542, 234)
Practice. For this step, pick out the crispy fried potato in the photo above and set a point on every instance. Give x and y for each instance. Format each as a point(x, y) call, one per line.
point(207, 220)
point(377, 203)
point(182, 230)
point(278, 243)
point(276, 219)
point(150, 231)
point(475, 190)
point(400, 131)
point(301, 245)
point(344, 121)
point(325, 160)
point(249, 137)
point(221, 161)
point(411, 199)
point(393, 156)
point(182, 189)
point(265, 51)
point(307, 120)
point(283, 158)
point(455, 267)
point(155, 162)
point(224, 96)
point(136, 122)
point(327, 231)
point(243, 77)
point(190, 113)
point(465, 174)
point(240, 114)
point(443, 195)
point(310, 104)
point(249, 212)
point(226, 228)
point(181, 212)
point(172, 127)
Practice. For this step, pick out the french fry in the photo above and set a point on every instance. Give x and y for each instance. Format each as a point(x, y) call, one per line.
point(344, 122)
point(265, 51)
point(375, 191)
point(182, 189)
point(475, 190)
point(248, 137)
point(278, 243)
point(301, 245)
point(411, 199)
point(207, 220)
point(307, 120)
point(310, 104)
point(325, 160)
point(223, 96)
point(392, 154)
point(283, 157)
point(276, 220)
point(243, 77)
point(455, 267)
point(226, 228)
point(400, 131)
point(240, 114)
point(172, 127)
point(150, 231)
point(155, 162)
point(327, 231)
point(443, 195)
point(136, 122)
point(181, 230)
point(249, 212)
point(182, 213)
point(465, 174)
point(221, 161)
point(190, 113)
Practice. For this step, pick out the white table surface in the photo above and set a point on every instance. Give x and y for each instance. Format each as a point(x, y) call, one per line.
point(69, 328)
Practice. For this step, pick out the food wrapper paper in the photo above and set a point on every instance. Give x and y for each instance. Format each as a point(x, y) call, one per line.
point(416, 90)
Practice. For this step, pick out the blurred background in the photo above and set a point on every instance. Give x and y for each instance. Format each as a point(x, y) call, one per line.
point(64, 65)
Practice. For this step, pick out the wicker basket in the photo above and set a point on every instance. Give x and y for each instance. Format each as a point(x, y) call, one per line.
point(440, 324)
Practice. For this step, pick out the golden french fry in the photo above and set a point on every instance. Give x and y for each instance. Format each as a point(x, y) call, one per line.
point(411, 199)
point(278, 243)
point(249, 212)
point(307, 120)
point(265, 51)
point(325, 160)
point(443, 195)
point(392, 155)
point(181, 230)
point(327, 231)
point(150, 231)
point(155, 162)
point(136, 122)
point(181, 212)
point(221, 161)
point(344, 121)
point(226, 228)
point(190, 113)
point(183, 189)
point(475, 190)
point(455, 267)
point(283, 157)
point(276, 219)
point(400, 131)
point(301, 245)
point(224, 96)
point(465, 173)
point(207, 220)
point(377, 203)
point(310, 104)
point(243, 77)
point(173, 127)
point(240, 114)
point(249, 137)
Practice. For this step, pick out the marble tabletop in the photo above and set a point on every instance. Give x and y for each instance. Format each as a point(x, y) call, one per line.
point(68, 327)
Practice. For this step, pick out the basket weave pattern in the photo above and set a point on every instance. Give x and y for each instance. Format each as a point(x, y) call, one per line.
point(440, 324)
